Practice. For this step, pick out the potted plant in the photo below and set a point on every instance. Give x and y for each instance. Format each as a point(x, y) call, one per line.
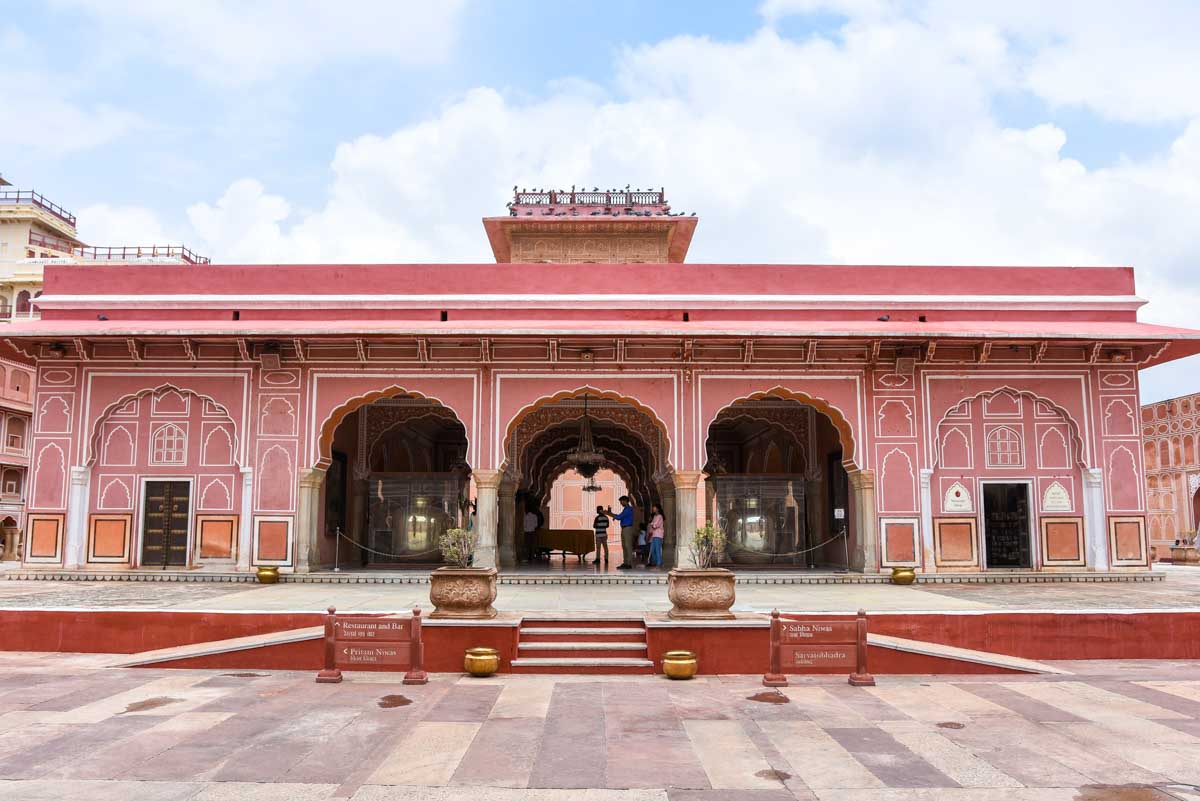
point(702, 592)
point(459, 590)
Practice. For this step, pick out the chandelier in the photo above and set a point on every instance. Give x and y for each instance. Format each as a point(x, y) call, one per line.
point(584, 457)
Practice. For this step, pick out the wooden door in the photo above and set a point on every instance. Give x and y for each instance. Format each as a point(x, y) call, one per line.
point(165, 524)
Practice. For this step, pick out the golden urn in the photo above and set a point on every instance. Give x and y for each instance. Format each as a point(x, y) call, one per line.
point(680, 664)
point(481, 662)
point(267, 574)
point(903, 575)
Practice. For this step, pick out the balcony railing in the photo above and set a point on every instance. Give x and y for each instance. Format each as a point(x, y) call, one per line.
point(553, 197)
point(129, 253)
point(14, 197)
point(52, 242)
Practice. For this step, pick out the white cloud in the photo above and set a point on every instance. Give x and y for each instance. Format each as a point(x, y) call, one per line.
point(877, 147)
point(234, 42)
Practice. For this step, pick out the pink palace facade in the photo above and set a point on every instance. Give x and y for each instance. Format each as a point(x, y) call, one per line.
point(221, 417)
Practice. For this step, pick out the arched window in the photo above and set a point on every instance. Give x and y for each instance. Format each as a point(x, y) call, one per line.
point(1004, 448)
point(23, 304)
point(18, 381)
point(12, 483)
point(170, 445)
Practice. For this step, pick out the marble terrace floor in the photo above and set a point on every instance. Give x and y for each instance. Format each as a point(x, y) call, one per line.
point(1112, 731)
point(1180, 589)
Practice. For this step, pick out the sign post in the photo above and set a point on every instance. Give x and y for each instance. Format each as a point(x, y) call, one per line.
point(366, 640)
point(797, 643)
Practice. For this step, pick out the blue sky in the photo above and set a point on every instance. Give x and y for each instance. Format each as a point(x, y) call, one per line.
point(801, 130)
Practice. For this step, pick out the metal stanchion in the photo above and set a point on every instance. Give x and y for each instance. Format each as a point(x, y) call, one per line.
point(337, 547)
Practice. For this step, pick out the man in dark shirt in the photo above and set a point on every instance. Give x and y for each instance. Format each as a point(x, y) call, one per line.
point(624, 519)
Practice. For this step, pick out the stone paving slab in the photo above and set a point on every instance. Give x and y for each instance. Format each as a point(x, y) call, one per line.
point(1180, 589)
point(157, 734)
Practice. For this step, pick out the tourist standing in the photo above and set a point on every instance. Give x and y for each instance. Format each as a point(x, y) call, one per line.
point(531, 527)
point(657, 530)
point(624, 519)
point(600, 526)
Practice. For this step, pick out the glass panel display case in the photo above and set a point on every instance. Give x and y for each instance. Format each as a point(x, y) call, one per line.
point(408, 512)
point(763, 517)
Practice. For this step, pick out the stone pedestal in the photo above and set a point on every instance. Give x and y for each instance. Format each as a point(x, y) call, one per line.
point(1185, 555)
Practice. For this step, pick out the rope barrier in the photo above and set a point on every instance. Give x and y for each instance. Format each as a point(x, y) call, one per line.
point(837, 536)
point(384, 553)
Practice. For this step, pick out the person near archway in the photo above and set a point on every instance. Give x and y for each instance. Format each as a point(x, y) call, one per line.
point(600, 526)
point(657, 530)
point(530, 527)
point(624, 519)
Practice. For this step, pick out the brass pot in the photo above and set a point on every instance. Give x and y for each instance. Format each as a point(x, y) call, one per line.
point(481, 662)
point(680, 664)
point(268, 574)
point(903, 575)
point(701, 593)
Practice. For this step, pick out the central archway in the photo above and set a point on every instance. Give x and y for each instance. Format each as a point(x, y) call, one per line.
point(634, 444)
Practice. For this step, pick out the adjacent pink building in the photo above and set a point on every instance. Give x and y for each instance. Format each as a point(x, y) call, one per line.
point(1171, 429)
point(954, 419)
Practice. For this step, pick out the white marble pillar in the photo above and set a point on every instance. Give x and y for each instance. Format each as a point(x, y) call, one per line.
point(487, 513)
point(308, 517)
point(246, 522)
point(666, 494)
point(75, 544)
point(864, 555)
point(686, 482)
point(927, 552)
point(1095, 525)
point(508, 523)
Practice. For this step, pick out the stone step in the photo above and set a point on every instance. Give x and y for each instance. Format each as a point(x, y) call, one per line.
point(561, 664)
point(588, 650)
point(583, 631)
point(581, 620)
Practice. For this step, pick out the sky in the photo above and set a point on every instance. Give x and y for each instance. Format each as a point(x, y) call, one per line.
point(802, 131)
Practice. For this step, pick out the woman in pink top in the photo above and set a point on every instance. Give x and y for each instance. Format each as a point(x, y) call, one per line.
point(656, 530)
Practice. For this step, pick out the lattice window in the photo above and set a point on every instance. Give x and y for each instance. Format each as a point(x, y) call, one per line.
point(170, 445)
point(1004, 448)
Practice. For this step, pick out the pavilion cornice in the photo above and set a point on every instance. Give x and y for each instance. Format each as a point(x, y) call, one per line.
point(698, 351)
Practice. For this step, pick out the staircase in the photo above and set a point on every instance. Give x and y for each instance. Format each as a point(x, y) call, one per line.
point(574, 645)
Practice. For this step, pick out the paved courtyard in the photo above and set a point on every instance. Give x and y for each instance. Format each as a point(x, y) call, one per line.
point(1122, 731)
point(1181, 589)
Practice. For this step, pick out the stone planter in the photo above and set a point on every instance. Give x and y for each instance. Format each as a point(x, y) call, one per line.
point(1185, 555)
point(701, 593)
point(463, 592)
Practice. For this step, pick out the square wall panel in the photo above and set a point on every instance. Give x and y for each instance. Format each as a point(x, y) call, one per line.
point(108, 538)
point(1062, 541)
point(216, 538)
point(1127, 541)
point(954, 542)
point(901, 547)
point(44, 541)
point(273, 540)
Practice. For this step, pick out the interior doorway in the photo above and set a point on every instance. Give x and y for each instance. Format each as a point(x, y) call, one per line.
point(1007, 529)
point(165, 514)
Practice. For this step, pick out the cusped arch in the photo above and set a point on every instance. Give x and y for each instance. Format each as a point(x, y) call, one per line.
point(1076, 440)
point(352, 405)
point(94, 439)
point(834, 414)
point(666, 447)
